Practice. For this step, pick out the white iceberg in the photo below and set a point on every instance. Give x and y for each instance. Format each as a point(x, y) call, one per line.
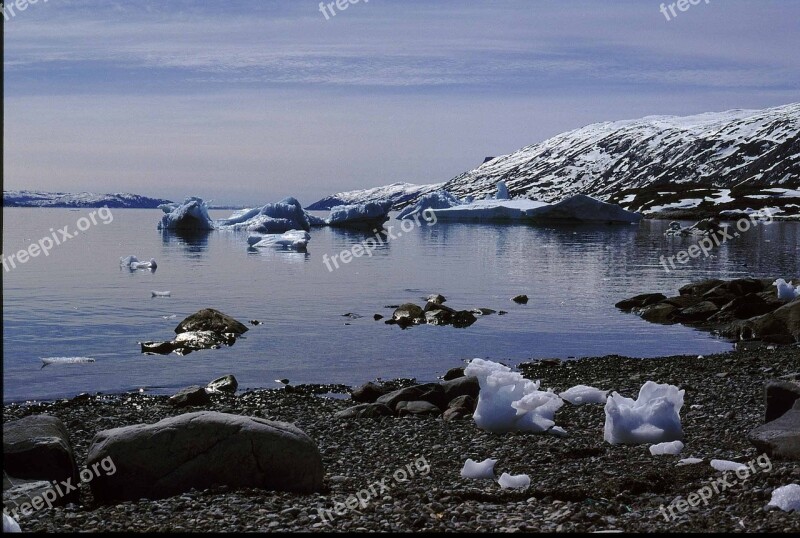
point(368, 214)
point(478, 470)
point(519, 481)
point(509, 402)
point(293, 240)
point(433, 200)
point(654, 417)
point(502, 191)
point(787, 498)
point(190, 216)
point(584, 394)
point(276, 218)
point(133, 263)
point(786, 292)
point(10, 524)
point(489, 210)
point(672, 448)
point(725, 465)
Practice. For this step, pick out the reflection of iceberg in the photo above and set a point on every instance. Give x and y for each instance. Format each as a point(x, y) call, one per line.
point(367, 215)
point(190, 216)
point(133, 263)
point(433, 200)
point(275, 218)
point(293, 240)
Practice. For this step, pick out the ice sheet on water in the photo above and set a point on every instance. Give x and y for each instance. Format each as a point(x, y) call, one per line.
point(478, 470)
point(654, 417)
point(276, 218)
point(584, 394)
point(293, 239)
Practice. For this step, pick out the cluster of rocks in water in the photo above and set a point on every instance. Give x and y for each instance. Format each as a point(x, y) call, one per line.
point(205, 329)
point(744, 309)
point(436, 313)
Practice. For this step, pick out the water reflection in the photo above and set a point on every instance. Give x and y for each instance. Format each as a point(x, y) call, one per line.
point(194, 242)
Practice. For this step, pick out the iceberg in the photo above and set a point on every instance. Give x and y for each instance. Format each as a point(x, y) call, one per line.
point(293, 240)
point(433, 200)
point(508, 402)
point(519, 481)
point(582, 208)
point(786, 292)
point(276, 218)
point(502, 191)
point(367, 215)
point(583, 394)
point(489, 210)
point(787, 498)
point(654, 417)
point(190, 216)
point(478, 470)
point(133, 263)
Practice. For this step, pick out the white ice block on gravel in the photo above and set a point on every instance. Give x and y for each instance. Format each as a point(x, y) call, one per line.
point(518, 481)
point(584, 394)
point(726, 465)
point(672, 448)
point(690, 461)
point(508, 402)
point(787, 498)
point(478, 470)
point(10, 524)
point(654, 417)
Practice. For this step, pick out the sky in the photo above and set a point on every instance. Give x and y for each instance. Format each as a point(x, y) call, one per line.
point(249, 101)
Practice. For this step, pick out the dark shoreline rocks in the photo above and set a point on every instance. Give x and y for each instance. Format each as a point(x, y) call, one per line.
point(579, 483)
point(205, 329)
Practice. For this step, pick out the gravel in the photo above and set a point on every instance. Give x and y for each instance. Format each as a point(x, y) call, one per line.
point(578, 482)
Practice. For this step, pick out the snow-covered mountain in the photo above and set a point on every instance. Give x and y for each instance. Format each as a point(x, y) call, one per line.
point(647, 162)
point(75, 200)
point(399, 193)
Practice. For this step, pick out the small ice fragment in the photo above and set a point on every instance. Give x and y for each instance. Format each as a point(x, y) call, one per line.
point(519, 481)
point(726, 465)
point(583, 394)
point(558, 431)
point(160, 293)
point(473, 469)
point(785, 290)
point(690, 461)
point(661, 449)
point(787, 498)
point(173, 316)
point(10, 524)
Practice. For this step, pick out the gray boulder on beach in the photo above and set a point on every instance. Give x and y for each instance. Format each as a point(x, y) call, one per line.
point(780, 438)
point(194, 395)
point(203, 450)
point(365, 410)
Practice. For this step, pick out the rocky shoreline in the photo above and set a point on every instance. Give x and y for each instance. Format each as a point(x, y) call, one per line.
point(578, 482)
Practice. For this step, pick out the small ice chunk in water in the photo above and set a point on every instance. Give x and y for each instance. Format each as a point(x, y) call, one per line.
point(690, 461)
point(787, 498)
point(726, 465)
point(662, 449)
point(583, 394)
point(654, 417)
point(473, 469)
point(160, 293)
point(518, 481)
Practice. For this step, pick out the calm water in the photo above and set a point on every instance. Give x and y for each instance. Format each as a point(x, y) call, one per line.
point(77, 301)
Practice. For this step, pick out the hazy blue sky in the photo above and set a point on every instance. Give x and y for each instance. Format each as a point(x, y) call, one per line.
point(252, 100)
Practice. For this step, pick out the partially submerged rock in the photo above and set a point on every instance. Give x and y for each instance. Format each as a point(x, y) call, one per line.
point(205, 329)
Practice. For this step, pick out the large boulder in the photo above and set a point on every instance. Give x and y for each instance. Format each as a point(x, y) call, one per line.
point(226, 383)
point(368, 392)
point(37, 448)
point(780, 438)
point(640, 301)
point(781, 326)
point(366, 410)
point(408, 314)
point(699, 288)
point(461, 386)
point(212, 320)
point(203, 450)
point(779, 398)
point(428, 392)
point(417, 408)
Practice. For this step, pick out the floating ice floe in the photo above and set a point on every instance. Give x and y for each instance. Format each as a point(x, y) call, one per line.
point(654, 417)
point(583, 394)
point(65, 360)
point(786, 292)
point(160, 293)
point(369, 214)
point(293, 239)
point(519, 481)
point(478, 470)
point(726, 465)
point(690, 461)
point(190, 216)
point(10, 524)
point(787, 498)
point(672, 448)
point(276, 218)
point(133, 263)
point(509, 402)
point(433, 200)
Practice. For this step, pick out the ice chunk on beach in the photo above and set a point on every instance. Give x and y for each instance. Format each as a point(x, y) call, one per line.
point(726, 465)
point(690, 461)
point(672, 448)
point(190, 216)
point(366, 214)
point(433, 200)
point(276, 218)
point(502, 191)
point(509, 402)
point(654, 417)
point(518, 481)
point(558, 431)
point(787, 498)
point(786, 292)
point(584, 394)
point(478, 470)
point(293, 240)
point(10, 524)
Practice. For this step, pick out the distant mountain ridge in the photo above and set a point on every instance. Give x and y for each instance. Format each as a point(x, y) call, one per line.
point(399, 193)
point(76, 200)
